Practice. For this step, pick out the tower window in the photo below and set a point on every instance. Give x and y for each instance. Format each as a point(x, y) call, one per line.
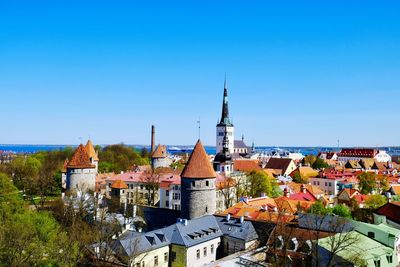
point(207, 183)
point(192, 184)
point(206, 209)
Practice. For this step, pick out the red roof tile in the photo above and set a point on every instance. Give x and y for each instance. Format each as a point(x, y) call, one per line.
point(198, 165)
point(119, 184)
point(391, 210)
point(80, 159)
point(246, 165)
point(160, 152)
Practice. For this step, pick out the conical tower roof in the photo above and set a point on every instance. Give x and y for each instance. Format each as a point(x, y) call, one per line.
point(90, 150)
point(198, 165)
point(80, 159)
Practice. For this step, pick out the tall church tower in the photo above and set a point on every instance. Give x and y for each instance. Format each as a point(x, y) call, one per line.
point(198, 195)
point(225, 127)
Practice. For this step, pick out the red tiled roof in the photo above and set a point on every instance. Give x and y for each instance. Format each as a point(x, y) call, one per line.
point(358, 152)
point(119, 184)
point(360, 198)
point(160, 152)
point(90, 150)
point(198, 165)
point(80, 159)
point(246, 165)
point(391, 210)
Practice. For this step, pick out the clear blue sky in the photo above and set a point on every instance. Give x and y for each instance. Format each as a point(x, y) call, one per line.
point(298, 74)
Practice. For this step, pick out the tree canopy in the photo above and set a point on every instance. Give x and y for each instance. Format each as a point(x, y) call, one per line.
point(261, 183)
point(367, 182)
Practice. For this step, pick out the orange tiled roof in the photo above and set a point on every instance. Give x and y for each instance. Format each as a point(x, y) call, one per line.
point(90, 150)
point(291, 206)
point(119, 184)
point(256, 213)
point(80, 159)
point(296, 188)
point(396, 189)
point(246, 165)
point(160, 152)
point(198, 165)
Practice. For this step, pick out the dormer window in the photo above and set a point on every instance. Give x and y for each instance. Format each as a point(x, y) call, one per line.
point(371, 234)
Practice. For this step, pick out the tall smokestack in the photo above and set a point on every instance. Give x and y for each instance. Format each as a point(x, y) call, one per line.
point(153, 137)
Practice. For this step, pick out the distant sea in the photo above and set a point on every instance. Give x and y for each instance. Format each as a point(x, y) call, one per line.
point(28, 149)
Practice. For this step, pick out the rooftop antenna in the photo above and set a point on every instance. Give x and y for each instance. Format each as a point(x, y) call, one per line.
point(338, 143)
point(198, 122)
point(81, 139)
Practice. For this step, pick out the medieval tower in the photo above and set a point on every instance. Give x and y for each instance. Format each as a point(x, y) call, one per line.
point(225, 126)
point(198, 195)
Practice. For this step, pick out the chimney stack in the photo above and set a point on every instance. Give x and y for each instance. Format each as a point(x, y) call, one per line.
point(153, 136)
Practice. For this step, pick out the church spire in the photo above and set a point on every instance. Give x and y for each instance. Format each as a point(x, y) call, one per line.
point(225, 110)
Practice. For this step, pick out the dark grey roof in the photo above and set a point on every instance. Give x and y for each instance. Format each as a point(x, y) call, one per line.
point(133, 242)
point(233, 228)
point(326, 223)
point(239, 144)
point(196, 231)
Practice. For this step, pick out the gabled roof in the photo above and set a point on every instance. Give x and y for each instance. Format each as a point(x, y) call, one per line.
point(391, 210)
point(246, 165)
point(239, 144)
point(368, 164)
point(90, 150)
point(304, 172)
point(233, 228)
point(395, 189)
point(160, 152)
point(278, 164)
point(119, 184)
point(198, 165)
point(353, 164)
point(80, 159)
point(133, 243)
point(358, 152)
point(196, 231)
point(296, 188)
point(351, 192)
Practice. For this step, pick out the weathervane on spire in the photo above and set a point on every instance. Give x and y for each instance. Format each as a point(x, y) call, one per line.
point(198, 122)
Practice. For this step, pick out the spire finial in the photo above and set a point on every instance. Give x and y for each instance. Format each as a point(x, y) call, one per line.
point(225, 86)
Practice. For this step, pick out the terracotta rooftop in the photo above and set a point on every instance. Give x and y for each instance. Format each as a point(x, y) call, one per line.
point(391, 210)
point(160, 152)
point(198, 165)
point(358, 152)
point(90, 150)
point(80, 159)
point(119, 184)
point(246, 165)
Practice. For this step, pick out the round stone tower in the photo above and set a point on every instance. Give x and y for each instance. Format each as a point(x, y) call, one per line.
point(198, 195)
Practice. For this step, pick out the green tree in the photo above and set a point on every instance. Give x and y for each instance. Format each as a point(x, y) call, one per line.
point(342, 210)
point(117, 158)
point(319, 208)
point(367, 182)
point(375, 201)
point(309, 160)
point(319, 164)
point(297, 178)
point(260, 182)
